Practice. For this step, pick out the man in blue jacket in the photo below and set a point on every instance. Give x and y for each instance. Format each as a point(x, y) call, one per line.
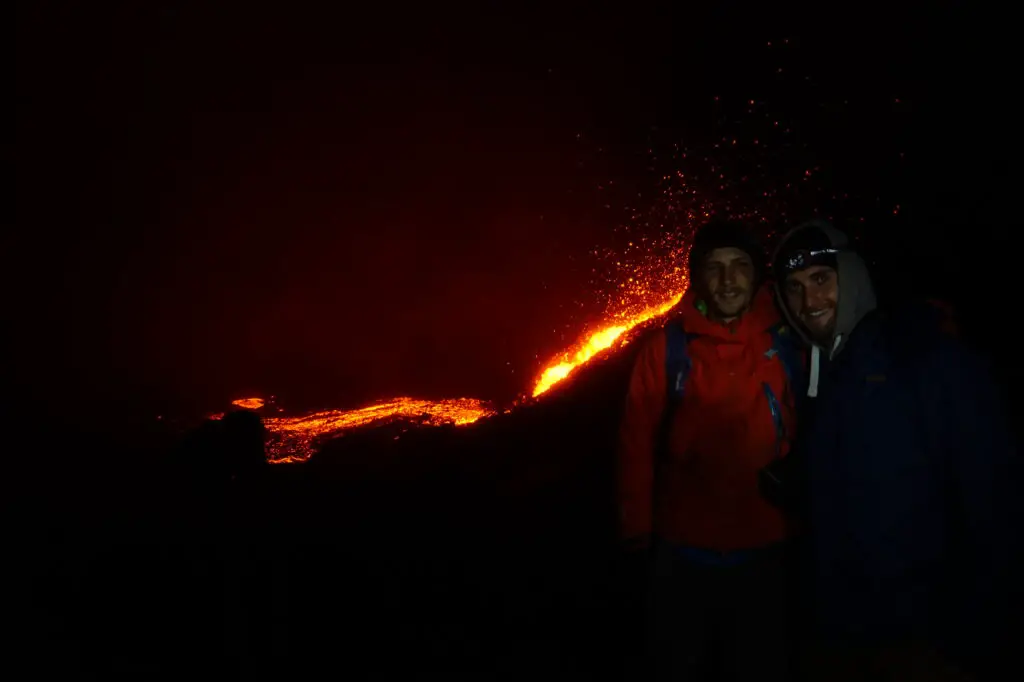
point(909, 473)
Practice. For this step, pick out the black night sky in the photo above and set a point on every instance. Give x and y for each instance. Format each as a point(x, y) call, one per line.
point(217, 199)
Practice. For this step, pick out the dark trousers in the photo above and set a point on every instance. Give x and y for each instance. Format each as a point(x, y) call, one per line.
point(719, 622)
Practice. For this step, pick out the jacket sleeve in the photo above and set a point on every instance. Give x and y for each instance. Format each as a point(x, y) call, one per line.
point(641, 419)
point(984, 479)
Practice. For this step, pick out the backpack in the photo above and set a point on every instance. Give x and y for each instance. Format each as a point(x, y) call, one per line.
point(785, 345)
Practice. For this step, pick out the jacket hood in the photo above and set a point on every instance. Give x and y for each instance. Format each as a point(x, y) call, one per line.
point(856, 292)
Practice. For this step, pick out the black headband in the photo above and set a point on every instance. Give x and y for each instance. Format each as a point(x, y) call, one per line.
point(805, 258)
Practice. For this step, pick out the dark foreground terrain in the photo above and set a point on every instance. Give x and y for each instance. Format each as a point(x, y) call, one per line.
point(484, 551)
point(479, 552)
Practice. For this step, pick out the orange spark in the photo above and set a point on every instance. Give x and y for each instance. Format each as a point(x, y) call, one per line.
point(248, 403)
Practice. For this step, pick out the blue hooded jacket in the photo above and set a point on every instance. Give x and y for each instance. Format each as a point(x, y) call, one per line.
point(911, 479)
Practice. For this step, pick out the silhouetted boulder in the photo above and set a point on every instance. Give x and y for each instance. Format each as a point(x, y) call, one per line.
point(243, 443)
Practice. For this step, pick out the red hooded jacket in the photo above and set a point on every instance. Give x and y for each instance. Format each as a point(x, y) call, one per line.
point(721, 434)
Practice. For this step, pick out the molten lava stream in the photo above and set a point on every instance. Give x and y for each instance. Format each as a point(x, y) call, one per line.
point(595, 343)
point(294, 439)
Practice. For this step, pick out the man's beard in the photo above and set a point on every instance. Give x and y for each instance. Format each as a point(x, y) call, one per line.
point(820, 336)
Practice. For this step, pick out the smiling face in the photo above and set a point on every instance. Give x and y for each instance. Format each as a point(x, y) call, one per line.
point(812, 297)
point(727, 282)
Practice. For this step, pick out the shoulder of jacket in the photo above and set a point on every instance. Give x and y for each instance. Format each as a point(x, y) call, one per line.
point(651, 341)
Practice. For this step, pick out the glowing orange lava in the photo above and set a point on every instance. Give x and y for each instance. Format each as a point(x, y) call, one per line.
point(293, 439)
point(641, 282)
point(596, 342)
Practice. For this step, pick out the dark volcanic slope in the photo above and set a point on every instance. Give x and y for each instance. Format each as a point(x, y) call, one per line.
point(484, 550)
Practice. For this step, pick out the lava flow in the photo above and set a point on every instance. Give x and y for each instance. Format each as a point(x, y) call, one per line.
point(594, 344)
point(641, 282)
point(294, 439)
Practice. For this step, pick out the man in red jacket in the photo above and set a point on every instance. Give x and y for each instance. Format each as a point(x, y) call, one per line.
point(694, 437)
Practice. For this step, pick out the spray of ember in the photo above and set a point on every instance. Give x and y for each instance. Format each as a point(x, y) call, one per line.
point(638, 280)
point(651, 280)
point(294, 439)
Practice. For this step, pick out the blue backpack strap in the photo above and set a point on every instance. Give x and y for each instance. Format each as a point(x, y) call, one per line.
point(786, 344)
point(677, 370)
point(677, 360)
point(780, 426)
